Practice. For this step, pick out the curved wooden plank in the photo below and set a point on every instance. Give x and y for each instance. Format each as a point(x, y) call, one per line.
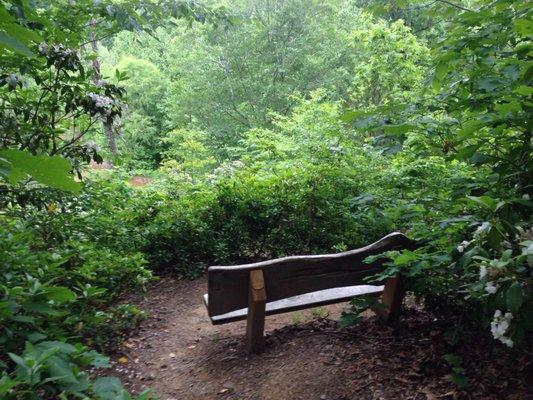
point(285, 277)
point(392, 240)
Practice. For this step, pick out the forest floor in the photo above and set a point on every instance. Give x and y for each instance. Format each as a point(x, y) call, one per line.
point(181, 356)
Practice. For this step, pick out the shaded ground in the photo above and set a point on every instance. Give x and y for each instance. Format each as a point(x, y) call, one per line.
point(181, 355)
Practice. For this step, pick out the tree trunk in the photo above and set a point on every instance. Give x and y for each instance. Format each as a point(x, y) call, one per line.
point(108, 127)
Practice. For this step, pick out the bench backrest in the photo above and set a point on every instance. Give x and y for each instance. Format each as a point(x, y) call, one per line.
point(291, 276)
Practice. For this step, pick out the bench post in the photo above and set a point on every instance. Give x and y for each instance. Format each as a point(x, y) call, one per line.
point(392, 299)
point(255, 323)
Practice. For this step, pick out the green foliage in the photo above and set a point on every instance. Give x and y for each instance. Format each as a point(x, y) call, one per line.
point(299, 127)
point(145, 87)
point(52, 171)
point(477, 255)
point(358, 306)
point(390, 66)
point(55, 285)
point(458, 377)
point(51, 301)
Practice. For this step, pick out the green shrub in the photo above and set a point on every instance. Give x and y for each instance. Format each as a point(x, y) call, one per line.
point(53, 306)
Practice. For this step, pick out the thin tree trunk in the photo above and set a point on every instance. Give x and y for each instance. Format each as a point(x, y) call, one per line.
point(97, 75)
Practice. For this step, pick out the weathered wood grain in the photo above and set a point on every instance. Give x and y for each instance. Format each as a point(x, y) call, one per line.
point(255, 323)
point(228, 286)
point(392, 300)
point(303, 301)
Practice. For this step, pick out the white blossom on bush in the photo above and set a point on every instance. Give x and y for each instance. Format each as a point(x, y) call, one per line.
point(499, 326)
point(103, 103)
point(43, 47)
point(225, 170)
point(490, 288)
point(483, 228)
point(482, 271)
point(464, 244)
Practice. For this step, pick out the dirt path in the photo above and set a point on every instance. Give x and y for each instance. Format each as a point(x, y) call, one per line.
point(179, 354)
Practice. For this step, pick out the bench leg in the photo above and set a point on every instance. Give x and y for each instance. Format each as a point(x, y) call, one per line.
point(392, 300)
point(255, 323)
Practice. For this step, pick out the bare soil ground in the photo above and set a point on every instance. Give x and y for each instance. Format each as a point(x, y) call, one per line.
point(179, 354)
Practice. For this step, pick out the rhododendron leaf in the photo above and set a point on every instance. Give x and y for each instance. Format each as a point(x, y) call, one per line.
point(53, 171)
point(514, 297)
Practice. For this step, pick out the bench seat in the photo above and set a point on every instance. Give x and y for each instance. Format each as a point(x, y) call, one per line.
point(307, 300)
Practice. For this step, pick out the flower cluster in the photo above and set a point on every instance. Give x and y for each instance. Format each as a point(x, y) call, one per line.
point(464, 244)
point(491, 288)
point(226, 169)
point(483, 228)
point(57, 49)
point(499, 327)
point(12, 81)
point(490, 269)
point(104, 104)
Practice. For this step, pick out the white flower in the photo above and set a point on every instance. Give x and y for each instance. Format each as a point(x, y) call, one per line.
point(464, 244)
point(237, 164)
point(101, 101)
point(100, 83)
point(526, 196)
point(499, 326)
point(12, 80)
point(490, 288)
point(482, 271)
point(506, 341)
point(43, 47)
point(528, 250)
point(484, 227)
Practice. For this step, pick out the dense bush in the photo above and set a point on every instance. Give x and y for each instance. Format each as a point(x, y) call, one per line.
point(476, 262)
point(55, 306)
point(248, 215)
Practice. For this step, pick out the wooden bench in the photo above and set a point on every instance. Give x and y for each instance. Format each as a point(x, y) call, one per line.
point(252, 291)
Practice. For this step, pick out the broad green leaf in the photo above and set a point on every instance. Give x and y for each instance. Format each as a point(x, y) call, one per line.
point(349, 319)
point(60, 369)
point(441, 71)
point(398, 129)
point(23, 318)
point(20, 33)
point(524, 90)
point(42, 308)
point(460, 380)
point(352, 115)
point(9, 42)
point(18, 360)
point(523, 27)
point(60, 294)
point(6, 384)
point(108, 388)
point(488, 84)
point(453, 359)
point(405, 258)
point(62, 347)
point(53, 171)
point(514, 297)
point(511, 107)
point(485, 201)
